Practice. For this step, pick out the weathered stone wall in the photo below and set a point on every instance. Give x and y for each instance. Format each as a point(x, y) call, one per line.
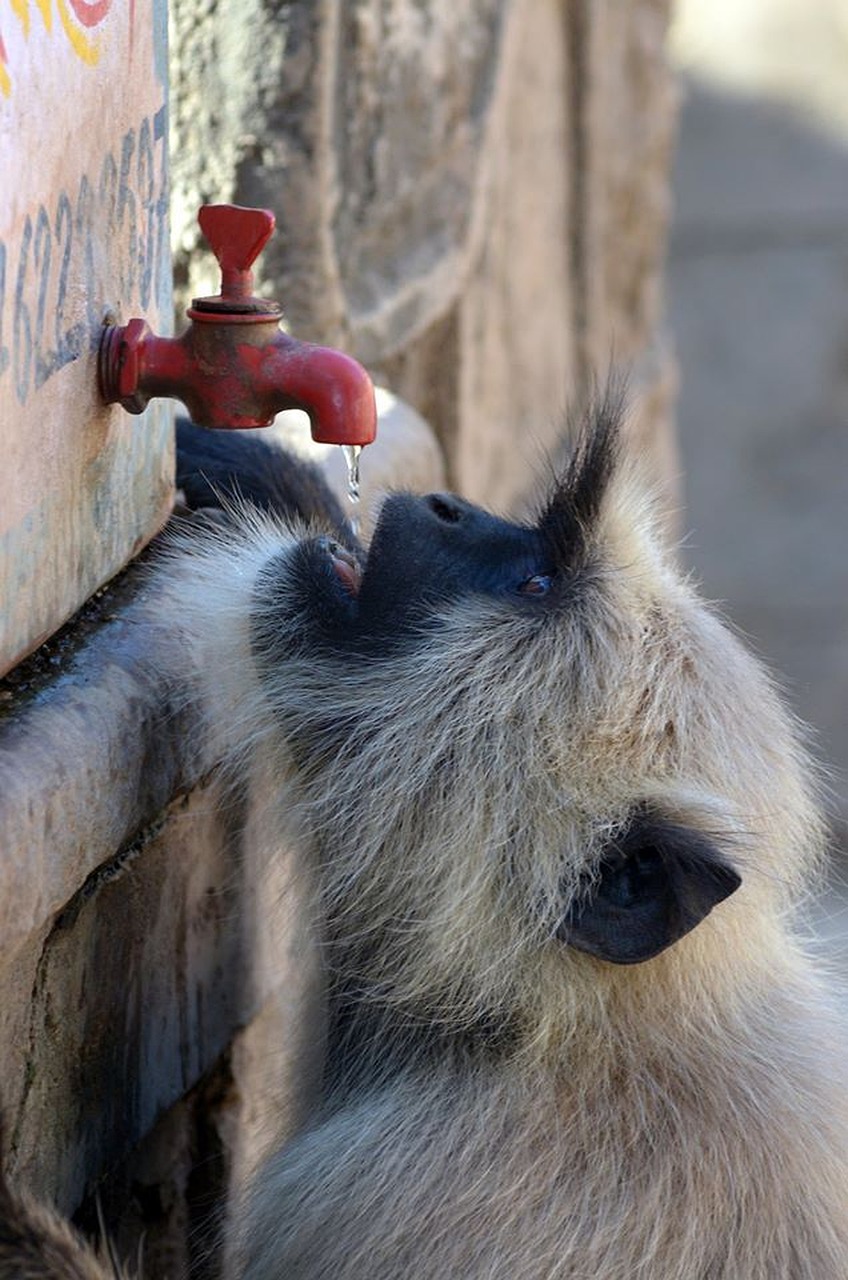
point(472, 199)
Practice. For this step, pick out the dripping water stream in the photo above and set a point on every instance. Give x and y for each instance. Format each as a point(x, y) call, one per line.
point(352, 454)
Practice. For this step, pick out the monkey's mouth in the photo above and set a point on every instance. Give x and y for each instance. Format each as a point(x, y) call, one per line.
point(346, 567)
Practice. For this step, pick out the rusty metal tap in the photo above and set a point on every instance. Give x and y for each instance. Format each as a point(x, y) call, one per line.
point(234, 366)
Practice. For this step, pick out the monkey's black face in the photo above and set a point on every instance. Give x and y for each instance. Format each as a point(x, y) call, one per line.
point(426, 554)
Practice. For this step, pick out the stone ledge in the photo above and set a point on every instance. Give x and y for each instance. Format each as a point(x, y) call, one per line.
point(86, 759)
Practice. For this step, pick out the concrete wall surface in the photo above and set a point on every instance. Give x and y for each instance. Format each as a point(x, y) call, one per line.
point(83, 237)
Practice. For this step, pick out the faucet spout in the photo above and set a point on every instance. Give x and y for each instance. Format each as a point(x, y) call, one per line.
point(234, 367)
point(330, 386)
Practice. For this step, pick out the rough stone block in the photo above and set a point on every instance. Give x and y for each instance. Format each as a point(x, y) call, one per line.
point(142, 979)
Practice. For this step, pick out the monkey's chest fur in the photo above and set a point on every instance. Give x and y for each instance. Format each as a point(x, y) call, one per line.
point(504, 1174)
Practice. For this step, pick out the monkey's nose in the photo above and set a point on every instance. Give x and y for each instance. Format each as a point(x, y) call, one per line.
point(448, 508)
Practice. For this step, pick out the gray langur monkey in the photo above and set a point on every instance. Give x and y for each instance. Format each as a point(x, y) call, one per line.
point(560, 825)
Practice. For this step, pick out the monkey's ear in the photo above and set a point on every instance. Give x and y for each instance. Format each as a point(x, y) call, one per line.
point(656, 883)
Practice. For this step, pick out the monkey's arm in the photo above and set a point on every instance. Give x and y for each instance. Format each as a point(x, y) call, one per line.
point(216, 468)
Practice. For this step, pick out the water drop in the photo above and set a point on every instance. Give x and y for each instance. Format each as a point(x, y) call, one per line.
point(351, 453)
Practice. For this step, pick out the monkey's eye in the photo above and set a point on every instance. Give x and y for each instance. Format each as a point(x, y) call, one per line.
point(539, 585)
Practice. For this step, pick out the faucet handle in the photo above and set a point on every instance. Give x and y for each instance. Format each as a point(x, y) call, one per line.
point(229, 375)
point(236, 236)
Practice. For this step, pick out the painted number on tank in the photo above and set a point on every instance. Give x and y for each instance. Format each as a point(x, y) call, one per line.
point(106, 240)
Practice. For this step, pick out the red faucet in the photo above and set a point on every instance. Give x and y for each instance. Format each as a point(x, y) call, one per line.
point(234, 366)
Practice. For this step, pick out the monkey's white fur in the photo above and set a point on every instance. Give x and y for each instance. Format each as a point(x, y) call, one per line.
point(680, 1119)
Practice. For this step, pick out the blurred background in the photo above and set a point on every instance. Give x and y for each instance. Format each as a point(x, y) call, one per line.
point(758, 308)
